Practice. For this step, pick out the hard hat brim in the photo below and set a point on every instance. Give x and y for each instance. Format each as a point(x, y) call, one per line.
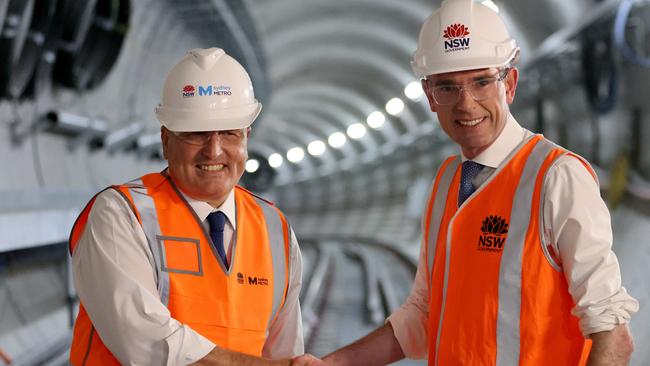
point(191, 120)
point(422, 68)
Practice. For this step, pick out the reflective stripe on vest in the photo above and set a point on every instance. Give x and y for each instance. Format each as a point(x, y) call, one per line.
point(511, 259)
point(233, 325)
point(277, 235)
point(146, 209)
point(523, 240)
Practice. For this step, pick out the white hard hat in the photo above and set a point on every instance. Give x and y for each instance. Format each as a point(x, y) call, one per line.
point(207, 90)
point(462, 35)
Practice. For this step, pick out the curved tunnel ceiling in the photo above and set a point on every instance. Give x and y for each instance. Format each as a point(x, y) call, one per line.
point(332, 63)
point(321, 68)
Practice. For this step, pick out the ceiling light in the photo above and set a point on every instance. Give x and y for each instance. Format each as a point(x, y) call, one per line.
point(252, 165)
point(490, 4)
point(336, 140)
point(316, 148)
point(376, 119)
point(394, 106)
point(295, 154)
point(413, 90)
point(275, 160)
point(356, 131)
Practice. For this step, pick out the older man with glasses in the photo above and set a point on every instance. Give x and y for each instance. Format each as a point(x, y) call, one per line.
point(184, 266)
point(516, 265)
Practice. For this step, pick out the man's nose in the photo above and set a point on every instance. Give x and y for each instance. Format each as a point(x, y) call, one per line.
point(213, 147)
point(465, 98)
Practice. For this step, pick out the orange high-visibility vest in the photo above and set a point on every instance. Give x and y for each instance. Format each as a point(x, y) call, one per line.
point(233, 308)
point(497, 294)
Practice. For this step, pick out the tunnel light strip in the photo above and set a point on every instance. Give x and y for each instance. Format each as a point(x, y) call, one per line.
point(356, 131)
point(337, 139)
point(295, 154)
point(316, 148)
point(376, 119)
point(275, 160)
point(252, 165)
point(413, 90)
point(394, 106)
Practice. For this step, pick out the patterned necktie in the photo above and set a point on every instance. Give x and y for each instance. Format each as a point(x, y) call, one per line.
point(470, 171)
point(217, 221)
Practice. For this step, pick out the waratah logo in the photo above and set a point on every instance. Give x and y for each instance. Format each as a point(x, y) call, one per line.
point(456, 37)
point(494, 229)
point(494, 225)
point(456, 31)
point(188, 91)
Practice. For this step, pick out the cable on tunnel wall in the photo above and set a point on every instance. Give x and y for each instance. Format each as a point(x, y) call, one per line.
point(637, 138)
point(620, 24)
point(600, 71)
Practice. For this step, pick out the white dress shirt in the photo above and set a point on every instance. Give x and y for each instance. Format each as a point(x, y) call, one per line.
point(577, 226)
point(115, 280)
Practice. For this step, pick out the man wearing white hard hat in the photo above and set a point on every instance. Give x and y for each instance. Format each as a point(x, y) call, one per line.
point(184, 266)
point(516, 266)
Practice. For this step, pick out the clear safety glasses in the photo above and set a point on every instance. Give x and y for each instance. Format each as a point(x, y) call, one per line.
point(201, 138)
point(481, 89)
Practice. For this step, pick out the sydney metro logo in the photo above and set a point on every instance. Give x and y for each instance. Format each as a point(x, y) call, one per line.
point(456, 38)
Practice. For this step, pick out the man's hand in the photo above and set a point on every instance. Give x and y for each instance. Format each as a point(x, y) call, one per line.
point(307, 360)
point(221, 356)
point(612, 348)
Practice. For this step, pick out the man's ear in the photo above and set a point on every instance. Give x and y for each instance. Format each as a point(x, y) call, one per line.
point(428, 91)
point(511, 84)
point(164, 138)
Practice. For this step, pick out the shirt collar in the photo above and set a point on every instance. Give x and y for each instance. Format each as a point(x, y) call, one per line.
point(511, 136)
point(203, 209)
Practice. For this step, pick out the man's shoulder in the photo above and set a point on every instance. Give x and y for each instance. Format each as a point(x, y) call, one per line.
point(242, 190)
point(568, 157)
point(111, 198)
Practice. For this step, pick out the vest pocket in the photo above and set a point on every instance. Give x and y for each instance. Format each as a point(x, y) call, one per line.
point(212, 312)
point(180, 255)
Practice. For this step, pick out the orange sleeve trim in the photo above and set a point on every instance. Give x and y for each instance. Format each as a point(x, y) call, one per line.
point(585, 163)
point(80, 223)
point(126, 194)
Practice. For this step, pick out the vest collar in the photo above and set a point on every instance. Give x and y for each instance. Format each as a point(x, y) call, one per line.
point(203, 209)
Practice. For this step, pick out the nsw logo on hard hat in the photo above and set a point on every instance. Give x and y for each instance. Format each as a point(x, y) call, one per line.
point(188, 91)
point(456, 38)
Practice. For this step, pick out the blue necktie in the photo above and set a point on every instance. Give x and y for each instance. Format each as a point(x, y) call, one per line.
point(469, 172)
point(217, 221)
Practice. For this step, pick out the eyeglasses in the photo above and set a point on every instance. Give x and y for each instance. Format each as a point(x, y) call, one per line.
point(481, 89)
point(201, 138)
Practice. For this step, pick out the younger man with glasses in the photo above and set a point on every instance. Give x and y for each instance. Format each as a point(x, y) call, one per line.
point(516, 266)
point(184, 266)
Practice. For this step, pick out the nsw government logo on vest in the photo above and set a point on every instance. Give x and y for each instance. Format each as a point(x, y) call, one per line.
point(250, 280)
point(494, 230)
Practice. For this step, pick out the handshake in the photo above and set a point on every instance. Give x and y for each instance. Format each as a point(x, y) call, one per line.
point(380, 347)
point(310, 360)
